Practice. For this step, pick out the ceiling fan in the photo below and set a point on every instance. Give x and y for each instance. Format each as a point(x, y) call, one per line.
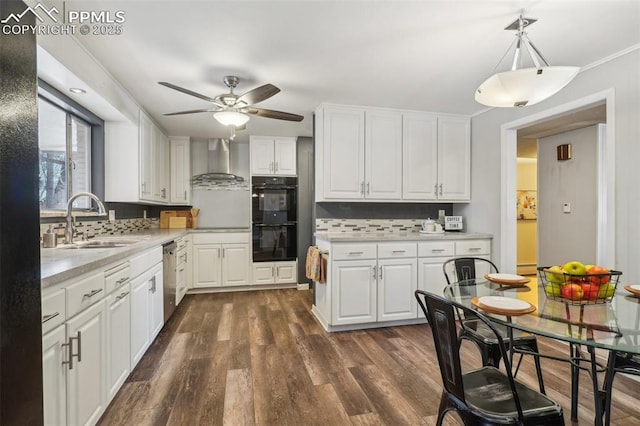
point(231, 109)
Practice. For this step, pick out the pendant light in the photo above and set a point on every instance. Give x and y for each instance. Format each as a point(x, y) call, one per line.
point(519, 86)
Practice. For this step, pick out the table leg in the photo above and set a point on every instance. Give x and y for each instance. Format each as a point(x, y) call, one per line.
point(597, 394)
point(608, 386)
point(574, 354)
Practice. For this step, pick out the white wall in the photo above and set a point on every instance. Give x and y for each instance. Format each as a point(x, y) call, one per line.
point(483, 214)
point(565, 237)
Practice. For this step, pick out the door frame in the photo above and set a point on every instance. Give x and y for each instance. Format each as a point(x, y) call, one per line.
point(605, 252)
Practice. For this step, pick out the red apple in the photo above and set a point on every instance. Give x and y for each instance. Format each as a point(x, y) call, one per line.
point(599, 275)
point(590, 291)
point(572, 292)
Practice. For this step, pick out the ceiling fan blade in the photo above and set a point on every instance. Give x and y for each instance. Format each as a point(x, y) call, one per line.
point(187, 91)
point(269, 113)
point(256, 95)
point(193, 111)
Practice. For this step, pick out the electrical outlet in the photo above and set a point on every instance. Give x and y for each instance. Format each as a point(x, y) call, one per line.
point(144, 214)
point(112, 215)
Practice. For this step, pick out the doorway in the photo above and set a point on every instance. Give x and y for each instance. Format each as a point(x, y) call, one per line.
point(605, 251)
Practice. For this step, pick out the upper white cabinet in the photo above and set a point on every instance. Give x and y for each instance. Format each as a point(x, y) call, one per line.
point(374, 154)
point(136, 162)
point(180, 170)
point(273, 155)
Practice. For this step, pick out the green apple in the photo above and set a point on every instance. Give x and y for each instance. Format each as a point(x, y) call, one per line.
point(553, 289)
point(555, 274)
point(606, 291)
point(574, 268)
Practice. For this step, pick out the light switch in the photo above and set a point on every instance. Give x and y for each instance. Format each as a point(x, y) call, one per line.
point(566, 208)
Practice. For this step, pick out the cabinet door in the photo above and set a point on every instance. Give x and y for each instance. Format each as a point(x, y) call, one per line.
point(86, 381)
point(454, 159)
point(343, 168)
point(140, 339)
point(156, 302)
point(180, 157)
point(284, 156)
point(262, 161)
point(235, 264)
point(354, 297)
point(207, 266)
point(181, 280)
point(397, 283)
point(263, 273)
point(118, 339)
point(146, 129)
point(54, 376)
point(419, 157)
point(383, 155)
point(430, 277)
point(161, 166)
point(286, 272)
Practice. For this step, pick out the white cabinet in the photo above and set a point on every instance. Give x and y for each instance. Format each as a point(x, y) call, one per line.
point(136, 162)
point(180, 170)
point(221, 259)
point(54, 376)
point(375, 154)
point(183, 266)
point(275, 272)
point(354, 292)
point(118, 339)
point(156, 301)
point(140, 319)
point(397, 283)
point(383, 155)
point(86, 376)
point(273, 155)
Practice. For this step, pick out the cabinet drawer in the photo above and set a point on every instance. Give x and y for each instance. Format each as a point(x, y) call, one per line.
point(436, 248)
point(353, 251)
point(53, 310)
point(84, 293)
point(221, 237)
point(391, 250)
point(116, 277)
point(473, 247)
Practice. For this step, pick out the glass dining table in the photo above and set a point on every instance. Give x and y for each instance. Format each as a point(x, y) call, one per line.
point(613, 326)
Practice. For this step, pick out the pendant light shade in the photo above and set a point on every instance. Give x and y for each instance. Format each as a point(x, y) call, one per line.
point(524, 86)
point(231, 117)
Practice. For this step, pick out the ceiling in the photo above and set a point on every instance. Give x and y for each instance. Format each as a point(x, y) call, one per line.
point(420, 55)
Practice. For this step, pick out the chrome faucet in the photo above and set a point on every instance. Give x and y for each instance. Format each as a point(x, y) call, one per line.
point(70, 228)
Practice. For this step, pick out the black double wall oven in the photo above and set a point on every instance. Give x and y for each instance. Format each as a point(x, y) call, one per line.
point(274, 218)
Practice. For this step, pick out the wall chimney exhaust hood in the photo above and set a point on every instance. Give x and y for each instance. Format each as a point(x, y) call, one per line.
point(218, 165)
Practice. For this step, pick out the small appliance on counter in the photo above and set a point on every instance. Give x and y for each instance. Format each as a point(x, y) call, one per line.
point(453, 223)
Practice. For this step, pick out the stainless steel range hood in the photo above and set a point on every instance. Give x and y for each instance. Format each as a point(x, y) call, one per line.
point(218, 164)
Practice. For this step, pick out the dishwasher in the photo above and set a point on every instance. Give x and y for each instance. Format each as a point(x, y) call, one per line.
point(169, 277)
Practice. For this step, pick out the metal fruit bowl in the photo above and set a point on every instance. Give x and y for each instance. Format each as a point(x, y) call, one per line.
point(600, 288)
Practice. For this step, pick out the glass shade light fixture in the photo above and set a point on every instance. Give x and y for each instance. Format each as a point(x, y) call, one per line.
point(231, 117)
point(520, 86)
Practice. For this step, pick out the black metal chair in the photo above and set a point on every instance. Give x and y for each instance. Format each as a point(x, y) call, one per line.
point(485, 396)
point(619, 363)
point(475, 331)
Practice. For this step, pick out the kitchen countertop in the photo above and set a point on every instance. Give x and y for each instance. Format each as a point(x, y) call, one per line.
point(60, 264)
point(337, 237)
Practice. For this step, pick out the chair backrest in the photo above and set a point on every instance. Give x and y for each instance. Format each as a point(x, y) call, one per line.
point(441, 316)
point(465, 268)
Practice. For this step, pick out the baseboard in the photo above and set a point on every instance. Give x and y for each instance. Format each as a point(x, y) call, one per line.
point(304, 286)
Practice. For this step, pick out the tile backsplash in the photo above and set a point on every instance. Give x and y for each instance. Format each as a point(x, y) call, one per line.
point(96, 228)
point(368, 225)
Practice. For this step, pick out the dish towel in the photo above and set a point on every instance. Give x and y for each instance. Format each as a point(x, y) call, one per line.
point(315, 265)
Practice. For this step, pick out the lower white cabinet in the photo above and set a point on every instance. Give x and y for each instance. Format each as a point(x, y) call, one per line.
point(354, 287)
point(54, 376)
point(221, 259)
point(147, 311)
point(275, 272)
point(86, 376)
point(118, 339)
point(156, 301)
point(430, 277)
point(397, 283)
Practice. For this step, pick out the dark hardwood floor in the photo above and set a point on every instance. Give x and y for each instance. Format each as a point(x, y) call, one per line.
point(260, 358)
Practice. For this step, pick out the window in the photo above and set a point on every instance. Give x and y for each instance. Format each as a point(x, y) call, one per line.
point(70, 140)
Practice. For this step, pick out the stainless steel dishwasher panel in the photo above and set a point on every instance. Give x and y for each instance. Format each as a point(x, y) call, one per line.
point(169, 278)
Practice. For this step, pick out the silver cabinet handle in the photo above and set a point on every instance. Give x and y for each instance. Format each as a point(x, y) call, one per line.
point(49, 317)
point(223, 253)
point(380, 269)
point(475, 248)
point(70, 351)
point(368, 188)
point(164, 192)
point(355, 252)
point(185, 195)
point(440, 189)
point(436, 250)
point(153, 284)
point(122, 296)
point(144, 187)
point(218, 251)
point(121, 281)
point(91, 293)
point(374, 272)
point(362, 187)
point(398, 251)
point(435, 188)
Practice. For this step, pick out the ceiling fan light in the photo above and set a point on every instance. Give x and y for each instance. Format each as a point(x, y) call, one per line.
point(526, 86)
point(231, 118)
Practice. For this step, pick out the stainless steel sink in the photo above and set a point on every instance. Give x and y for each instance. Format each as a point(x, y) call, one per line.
point(101, 243)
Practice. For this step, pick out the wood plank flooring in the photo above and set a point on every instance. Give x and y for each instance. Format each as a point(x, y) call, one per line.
point(260, 358)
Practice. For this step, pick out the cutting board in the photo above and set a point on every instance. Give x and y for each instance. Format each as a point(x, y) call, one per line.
point(167, 215)
point(178, 222)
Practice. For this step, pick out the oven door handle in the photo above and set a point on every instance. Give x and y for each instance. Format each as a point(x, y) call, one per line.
point(274, 225)
point(273, 187)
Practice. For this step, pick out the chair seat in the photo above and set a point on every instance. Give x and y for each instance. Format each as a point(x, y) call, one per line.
point(478, 330)
point(488, 390)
